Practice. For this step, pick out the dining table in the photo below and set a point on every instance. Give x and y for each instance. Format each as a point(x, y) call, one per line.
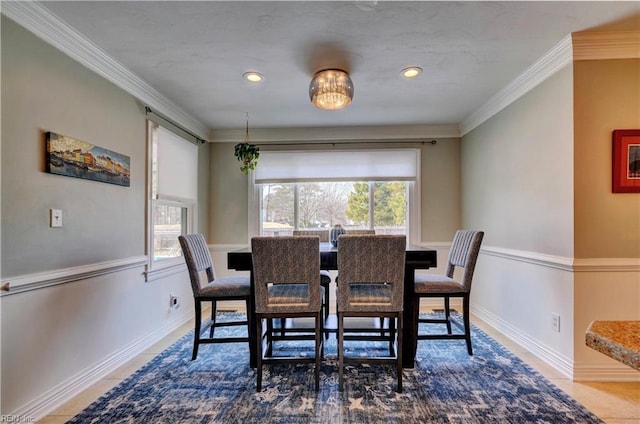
point(417, 257)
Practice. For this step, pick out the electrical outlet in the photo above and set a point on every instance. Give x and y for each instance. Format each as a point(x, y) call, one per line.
point(174, 302)
point(555, 322)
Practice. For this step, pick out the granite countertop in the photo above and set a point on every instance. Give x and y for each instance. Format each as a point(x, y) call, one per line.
point(617, 339)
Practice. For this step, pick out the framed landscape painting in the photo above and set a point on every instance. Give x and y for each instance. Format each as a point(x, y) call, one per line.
point(76, 158)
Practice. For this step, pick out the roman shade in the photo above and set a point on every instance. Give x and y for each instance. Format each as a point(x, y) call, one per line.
point(337, 165)
point(177, 165)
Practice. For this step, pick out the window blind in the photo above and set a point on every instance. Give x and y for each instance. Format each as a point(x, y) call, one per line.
point(351, 165)
point(177, 166)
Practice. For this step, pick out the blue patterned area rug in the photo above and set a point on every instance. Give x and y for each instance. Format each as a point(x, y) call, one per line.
point(446, 386)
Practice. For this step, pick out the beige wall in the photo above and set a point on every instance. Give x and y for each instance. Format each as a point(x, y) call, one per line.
point(607, 97)
point(228, 221)
point(607, 225)
point(440, 190)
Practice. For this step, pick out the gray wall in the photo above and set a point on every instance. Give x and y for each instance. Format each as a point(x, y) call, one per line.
point(43, 91)
point(517, 185)
point(517, 172)
point(54, 335)
point(537, 178)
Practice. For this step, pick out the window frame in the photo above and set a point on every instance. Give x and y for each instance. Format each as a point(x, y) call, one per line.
point(163, 267)
point(413, 222)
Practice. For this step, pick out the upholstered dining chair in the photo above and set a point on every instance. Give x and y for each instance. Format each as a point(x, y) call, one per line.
point(463, 254)
point(286, 275)
point(357, 232)
point(371, 285)
point(325, 276)
point(208, 288)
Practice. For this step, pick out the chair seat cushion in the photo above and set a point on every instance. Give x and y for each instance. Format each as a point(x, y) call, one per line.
point(370, 294)
point(288, 294)
point(227, 287)
point(433, 283)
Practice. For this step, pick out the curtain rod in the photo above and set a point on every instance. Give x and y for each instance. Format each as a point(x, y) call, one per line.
point(148, 111)
point(333, 143)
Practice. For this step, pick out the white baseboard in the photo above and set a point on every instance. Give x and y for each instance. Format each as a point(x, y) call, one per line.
point(556, 360)
point(52, 399)
point(613, 372)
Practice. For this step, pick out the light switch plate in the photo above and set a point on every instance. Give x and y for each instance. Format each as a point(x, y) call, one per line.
point(56, 218)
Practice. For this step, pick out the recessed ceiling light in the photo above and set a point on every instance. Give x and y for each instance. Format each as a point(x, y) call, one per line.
point(253, 76)
point(411, 72)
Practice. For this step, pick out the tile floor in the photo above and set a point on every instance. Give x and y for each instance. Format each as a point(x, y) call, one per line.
point(614, 403)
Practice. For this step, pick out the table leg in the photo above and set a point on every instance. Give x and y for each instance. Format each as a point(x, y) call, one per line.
point(410, 319)
point(253, 332)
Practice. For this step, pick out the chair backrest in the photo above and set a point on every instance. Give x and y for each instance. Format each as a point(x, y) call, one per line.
point(464, 254)
point(360, 232)
point(197, 257)
point(323, 234)
point(286, 260)
point(366, 259)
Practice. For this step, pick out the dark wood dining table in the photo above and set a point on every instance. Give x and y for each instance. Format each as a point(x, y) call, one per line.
point(417, 257)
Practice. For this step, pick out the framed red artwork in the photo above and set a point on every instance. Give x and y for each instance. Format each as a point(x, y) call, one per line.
point(626, 161)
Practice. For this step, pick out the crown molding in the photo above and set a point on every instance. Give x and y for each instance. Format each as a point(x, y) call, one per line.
point(554, 60)
point(577, 46)
point(323, 134)
point(37, 19)
point(606, 45)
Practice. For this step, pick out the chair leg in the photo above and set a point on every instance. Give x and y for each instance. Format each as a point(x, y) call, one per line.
point(447, 313)
point(392, 338)
point(214, 311)
point(259, 356)
point(467, 324)
point(319, 348)
point(399, 352)
point(249, 317)
point(269, 337)
point(322, 333)
point(283, 324)
point(196, 332)
point(340, 351)
point(326, 302)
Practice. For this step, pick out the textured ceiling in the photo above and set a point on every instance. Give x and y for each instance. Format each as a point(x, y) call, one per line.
point(195, 53)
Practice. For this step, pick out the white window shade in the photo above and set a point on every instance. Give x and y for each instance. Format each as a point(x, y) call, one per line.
point(361, 165)
point(177, 166)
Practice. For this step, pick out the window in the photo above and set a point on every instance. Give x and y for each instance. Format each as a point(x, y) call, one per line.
point(375, 189)
point(355, 205)
point(173, 193)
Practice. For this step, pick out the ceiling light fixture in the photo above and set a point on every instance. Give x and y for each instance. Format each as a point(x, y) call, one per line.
point(331, 89)
point(411, 72)
point(253, 76)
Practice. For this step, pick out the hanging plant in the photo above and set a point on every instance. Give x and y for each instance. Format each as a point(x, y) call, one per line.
point(247, 153)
